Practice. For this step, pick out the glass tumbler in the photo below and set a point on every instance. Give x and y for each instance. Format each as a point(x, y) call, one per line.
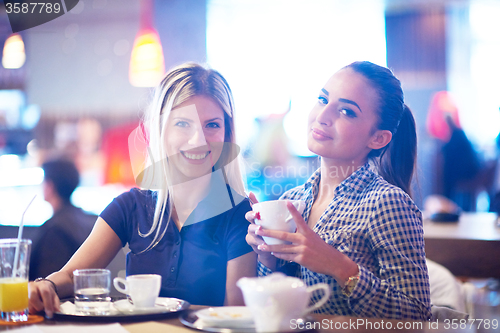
point(14, 275)
point(92, 291)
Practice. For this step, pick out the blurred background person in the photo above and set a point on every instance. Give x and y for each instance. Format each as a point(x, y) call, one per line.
point(458, 163)
point(61, 235)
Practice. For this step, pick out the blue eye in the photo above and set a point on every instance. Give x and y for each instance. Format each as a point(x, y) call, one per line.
point(322, 100)
point(213, 125)
point(182, 123)
point(348, 112)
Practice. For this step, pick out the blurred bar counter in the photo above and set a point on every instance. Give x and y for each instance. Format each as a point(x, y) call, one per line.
point(468, 248)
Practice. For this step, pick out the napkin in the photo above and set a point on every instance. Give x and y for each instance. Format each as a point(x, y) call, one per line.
point(70, 309)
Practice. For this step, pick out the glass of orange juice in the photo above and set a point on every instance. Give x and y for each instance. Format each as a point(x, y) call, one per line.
point(14, 273)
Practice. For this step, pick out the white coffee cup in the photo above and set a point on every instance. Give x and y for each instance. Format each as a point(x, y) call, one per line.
point(276, 300)
point(274, 215)
point(142, 288)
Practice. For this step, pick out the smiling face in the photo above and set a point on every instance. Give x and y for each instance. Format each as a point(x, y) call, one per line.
point(194, 136)
point(342, 124)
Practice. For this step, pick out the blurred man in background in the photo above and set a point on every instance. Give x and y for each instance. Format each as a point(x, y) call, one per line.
point(61, 235)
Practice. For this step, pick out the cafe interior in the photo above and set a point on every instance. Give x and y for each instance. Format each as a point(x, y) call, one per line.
point(77, 86)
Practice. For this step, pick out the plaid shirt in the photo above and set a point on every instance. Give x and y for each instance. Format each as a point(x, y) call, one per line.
point(379, 227)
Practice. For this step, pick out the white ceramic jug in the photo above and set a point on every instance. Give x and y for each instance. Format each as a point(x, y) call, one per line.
point(276, 299)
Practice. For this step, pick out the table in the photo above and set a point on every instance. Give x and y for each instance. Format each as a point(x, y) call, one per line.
point(468, 248)
point(323, 323)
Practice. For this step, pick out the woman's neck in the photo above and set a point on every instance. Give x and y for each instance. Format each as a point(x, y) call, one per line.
point(186, 197)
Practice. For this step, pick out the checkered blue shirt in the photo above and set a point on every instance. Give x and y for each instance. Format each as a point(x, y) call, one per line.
point(379, 227)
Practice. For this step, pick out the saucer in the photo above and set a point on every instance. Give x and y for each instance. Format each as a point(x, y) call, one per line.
point(162, 305)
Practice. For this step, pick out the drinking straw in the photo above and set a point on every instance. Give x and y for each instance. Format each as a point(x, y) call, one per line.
point(19, 237)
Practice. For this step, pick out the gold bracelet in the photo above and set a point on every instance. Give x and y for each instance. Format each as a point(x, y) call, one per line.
point(52, 282)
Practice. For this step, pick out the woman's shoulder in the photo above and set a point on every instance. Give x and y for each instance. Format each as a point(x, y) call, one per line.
point(132, 199)
point(386, 197)
point(136, 194)
point(383, 189)
point(127, 211)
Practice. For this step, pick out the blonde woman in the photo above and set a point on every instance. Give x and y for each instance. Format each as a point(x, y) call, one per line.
point(189, 224)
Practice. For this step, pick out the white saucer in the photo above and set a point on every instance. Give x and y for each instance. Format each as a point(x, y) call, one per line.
point(163, 304)
point(226, 316)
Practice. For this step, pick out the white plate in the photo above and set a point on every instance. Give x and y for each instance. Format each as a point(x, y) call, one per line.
point(162, 305)
point(226, 316)
point(191, 319)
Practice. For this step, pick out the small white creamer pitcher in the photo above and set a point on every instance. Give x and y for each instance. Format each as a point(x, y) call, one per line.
point(277, 299)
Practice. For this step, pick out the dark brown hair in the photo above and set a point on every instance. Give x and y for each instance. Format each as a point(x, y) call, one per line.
point(396, 161)
point(63, 174)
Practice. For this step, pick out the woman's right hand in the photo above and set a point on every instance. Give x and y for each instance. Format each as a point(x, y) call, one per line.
point(42, 296)
point(255, 240)
point(97, 251)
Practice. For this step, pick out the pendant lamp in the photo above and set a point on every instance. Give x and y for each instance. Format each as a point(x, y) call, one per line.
point(13, 56)
point(147, 65)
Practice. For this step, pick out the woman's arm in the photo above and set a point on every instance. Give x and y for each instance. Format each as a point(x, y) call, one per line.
point(243, 266)
point(400, 287)
point(96, 252)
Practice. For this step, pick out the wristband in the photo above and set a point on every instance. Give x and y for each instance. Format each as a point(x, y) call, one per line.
point(52, 282)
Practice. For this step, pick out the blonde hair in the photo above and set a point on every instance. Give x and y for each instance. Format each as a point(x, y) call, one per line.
point(179, 85)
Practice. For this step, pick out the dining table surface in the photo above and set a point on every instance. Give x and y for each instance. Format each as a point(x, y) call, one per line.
point(469, 247)
point(172, 324)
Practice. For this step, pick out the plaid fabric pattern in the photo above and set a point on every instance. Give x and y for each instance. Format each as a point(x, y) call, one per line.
point(379, 227)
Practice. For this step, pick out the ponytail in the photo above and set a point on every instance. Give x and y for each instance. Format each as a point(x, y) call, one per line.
point(397, 163)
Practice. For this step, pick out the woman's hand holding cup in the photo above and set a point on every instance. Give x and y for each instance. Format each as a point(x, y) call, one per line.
point(274, 215)
point(270, 215)
point(255, 240)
